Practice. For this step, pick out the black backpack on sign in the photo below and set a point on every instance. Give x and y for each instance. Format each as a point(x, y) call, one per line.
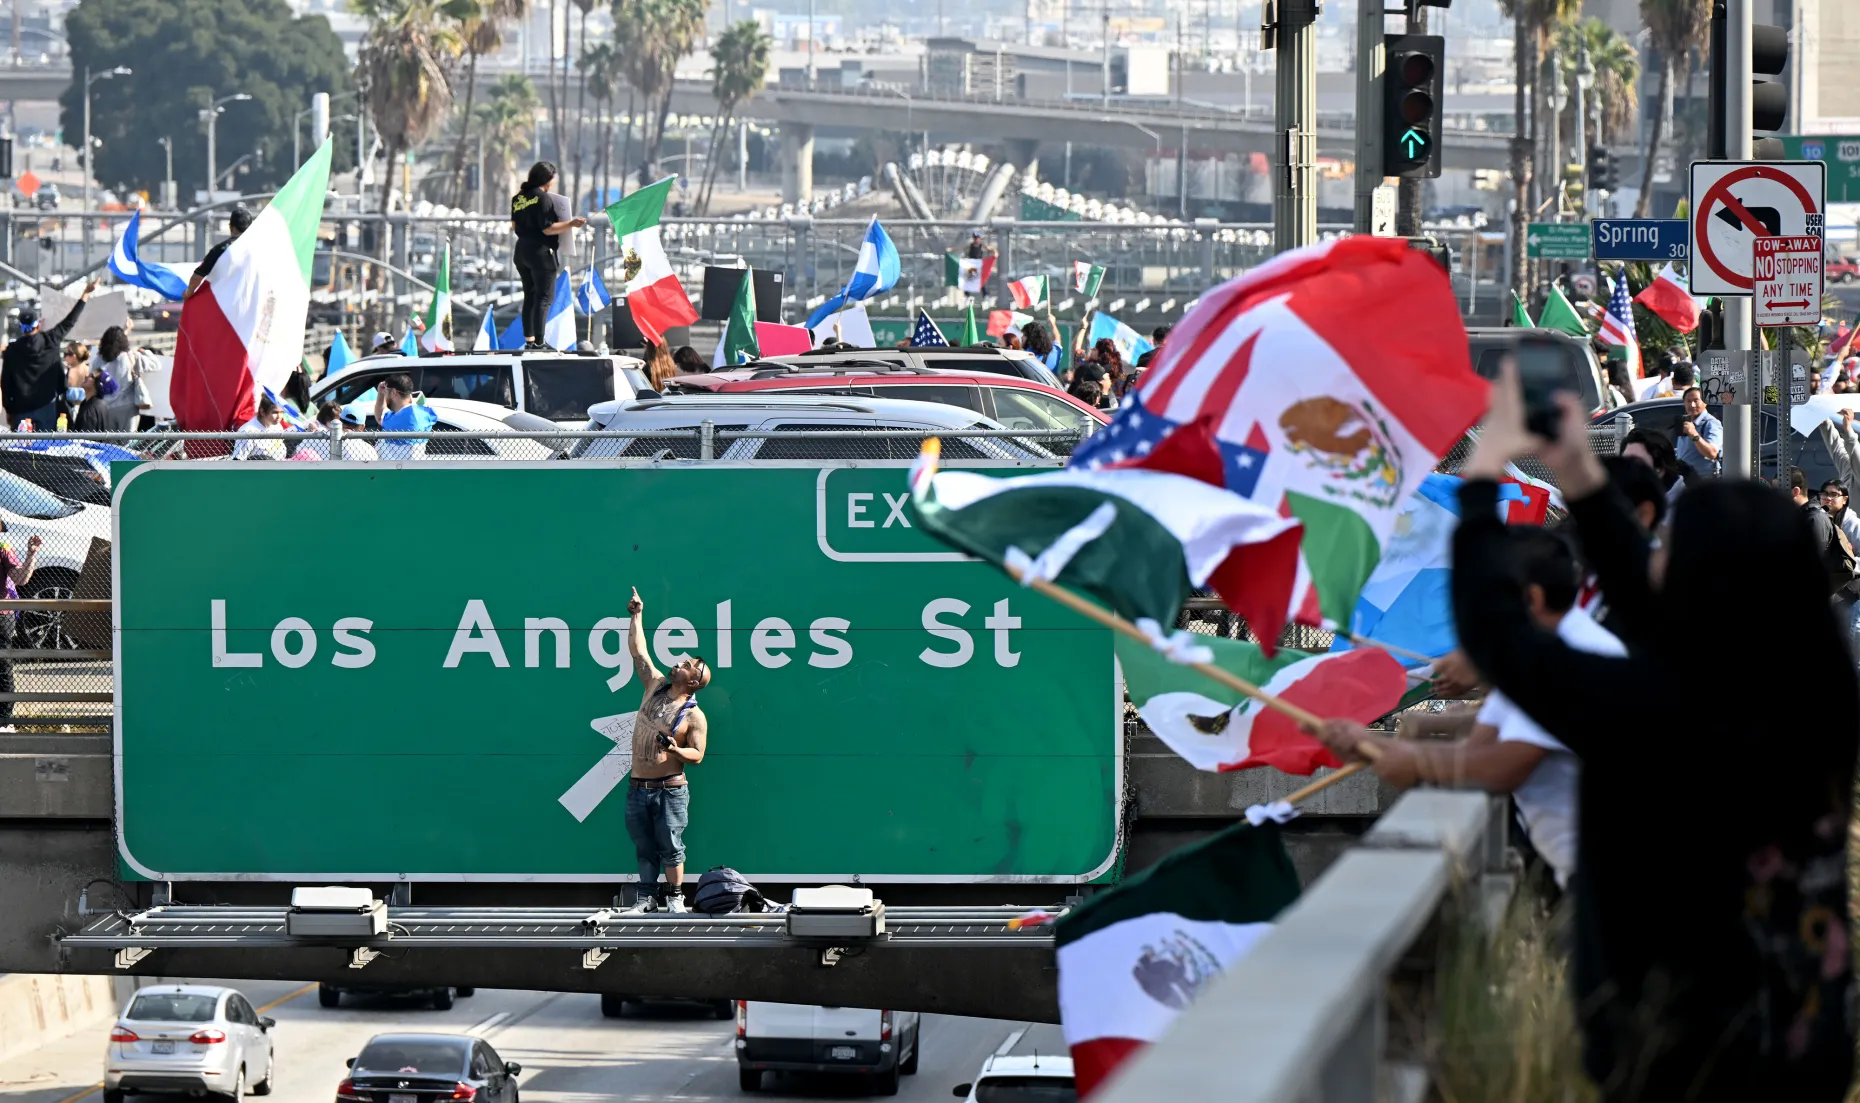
point(722, 891)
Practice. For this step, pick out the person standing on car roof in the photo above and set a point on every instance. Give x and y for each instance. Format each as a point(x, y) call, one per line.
point(669, 734)
point(540, 217)
point(32, 369)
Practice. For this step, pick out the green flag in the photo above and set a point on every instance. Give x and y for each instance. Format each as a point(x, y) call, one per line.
point(1560, 315)
point(739, 331)
point(971, 333)
point(1520, 317)
point(437, 336)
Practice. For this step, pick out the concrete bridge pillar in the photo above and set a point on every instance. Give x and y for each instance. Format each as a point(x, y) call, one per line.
point(797, 162)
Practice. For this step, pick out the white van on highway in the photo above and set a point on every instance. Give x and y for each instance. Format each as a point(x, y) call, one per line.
point(794, 1037)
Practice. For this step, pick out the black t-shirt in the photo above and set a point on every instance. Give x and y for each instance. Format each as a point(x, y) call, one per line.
point(532, 214)
point(205, 267)
point(977, 250)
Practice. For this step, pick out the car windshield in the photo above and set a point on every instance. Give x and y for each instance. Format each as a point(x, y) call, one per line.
point(438, 1058)
point(1026, 1089)
point(562, 390)
point(21, 497)
point(173, 1007)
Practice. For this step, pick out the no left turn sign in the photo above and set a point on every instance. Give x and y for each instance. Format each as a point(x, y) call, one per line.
point(1735, 202)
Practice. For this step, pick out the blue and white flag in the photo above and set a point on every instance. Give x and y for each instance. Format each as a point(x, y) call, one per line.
point(874, 273)
point(340, 356)
point(1408, 600)
point(293, 418)
point(95, 453)
point(127, 267)
point(1130, 344)
point(512, 338)
point(591, 297)
point(410, 343)
point(559, 327)
point(486, 340)
point(926, 335)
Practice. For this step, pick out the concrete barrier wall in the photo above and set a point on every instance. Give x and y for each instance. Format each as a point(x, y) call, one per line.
point(39, 1008)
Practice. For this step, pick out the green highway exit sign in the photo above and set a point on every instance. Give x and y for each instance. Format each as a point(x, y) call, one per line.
point(1557, 241)
point(456, 706)
point(1840, 152)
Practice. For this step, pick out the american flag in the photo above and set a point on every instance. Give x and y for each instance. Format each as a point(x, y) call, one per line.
point(926, 335)
point(1618, 326)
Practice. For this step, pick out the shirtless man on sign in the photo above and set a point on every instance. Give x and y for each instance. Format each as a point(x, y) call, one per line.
point(668, 736)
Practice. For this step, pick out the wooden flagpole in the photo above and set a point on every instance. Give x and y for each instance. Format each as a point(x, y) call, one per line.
point(1365, 641)
point(1306, 719)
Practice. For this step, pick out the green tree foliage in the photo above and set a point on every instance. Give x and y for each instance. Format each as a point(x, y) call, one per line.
point(651, 36)
point(184, 53)
point(739, 69)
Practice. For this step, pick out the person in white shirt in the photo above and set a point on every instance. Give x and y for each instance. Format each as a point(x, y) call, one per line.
point(1659, 385)
point(1506, 752)
point(316, 445)
point(267, 419)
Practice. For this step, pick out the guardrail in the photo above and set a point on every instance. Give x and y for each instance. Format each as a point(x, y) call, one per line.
point(1303, 1017)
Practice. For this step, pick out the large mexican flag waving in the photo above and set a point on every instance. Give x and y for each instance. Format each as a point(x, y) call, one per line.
point(243, 331)
point(653, 293)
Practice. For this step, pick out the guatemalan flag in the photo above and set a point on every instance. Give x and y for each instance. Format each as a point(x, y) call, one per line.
point(874, 273)
point(243, 331)
point(126, 266)
point(559, 326)
point(486, 341)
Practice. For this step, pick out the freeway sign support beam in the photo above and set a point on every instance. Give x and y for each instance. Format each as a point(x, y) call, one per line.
point(1294, 109)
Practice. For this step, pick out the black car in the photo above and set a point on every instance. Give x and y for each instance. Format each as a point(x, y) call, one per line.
point(1491, 344)
point(1662, 415)
point(69, 477)
point(330, 995)
point(421, 1068)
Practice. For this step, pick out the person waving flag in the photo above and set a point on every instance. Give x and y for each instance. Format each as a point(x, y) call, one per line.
point(874, 273)
point(126, 266)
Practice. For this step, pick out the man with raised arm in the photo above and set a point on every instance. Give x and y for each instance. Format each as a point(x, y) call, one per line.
point(668, 736)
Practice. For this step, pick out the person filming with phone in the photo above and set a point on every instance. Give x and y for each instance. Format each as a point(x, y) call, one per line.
point(669, 734)
point(1701, 436)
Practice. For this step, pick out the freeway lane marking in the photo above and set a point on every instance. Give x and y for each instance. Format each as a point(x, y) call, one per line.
point(281, 1000)
point(97, 1087)
point(489, 1023)
point(1010, 1042)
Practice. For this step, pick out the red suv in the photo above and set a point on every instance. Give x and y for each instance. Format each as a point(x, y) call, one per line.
point(1014, 402)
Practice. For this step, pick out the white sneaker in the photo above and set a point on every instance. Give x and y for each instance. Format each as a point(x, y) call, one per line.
point(643, 905)
point(675, 904)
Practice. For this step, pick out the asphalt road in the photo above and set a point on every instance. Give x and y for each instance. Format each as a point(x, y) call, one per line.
point(569, 1053)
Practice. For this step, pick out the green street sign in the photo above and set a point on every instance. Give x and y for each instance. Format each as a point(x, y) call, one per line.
point(1840, 152)
point(1557, 241)
point(430, 688)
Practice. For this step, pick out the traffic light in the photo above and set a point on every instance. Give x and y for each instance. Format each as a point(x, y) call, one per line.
point(1411, 104)
point(1604, 173)
point(6, 157)
point(1769, 99)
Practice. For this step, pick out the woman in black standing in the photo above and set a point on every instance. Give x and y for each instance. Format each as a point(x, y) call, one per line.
point(540, 218)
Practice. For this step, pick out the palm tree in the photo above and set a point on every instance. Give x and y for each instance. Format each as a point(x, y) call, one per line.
point(739, 69)
point(652, 35)
point(1531, 19)
point(405, 63)
point(1674, 27)
point(507, 126)
point(581, 116)
point(1616, 93)
point(600, 65)
point(483, 33)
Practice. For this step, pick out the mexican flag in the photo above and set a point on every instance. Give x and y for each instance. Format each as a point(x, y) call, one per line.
point(437, 336)
point(1216, 728)
point(971, 333)
point(243, 331)
point(1140, 541)
point(653, 293)
point(738, 344)
point(1001, 321)
point(1325, 385)
point(1086, 277)
point(965, 275)
point(1133, 958)
point(1028, 292)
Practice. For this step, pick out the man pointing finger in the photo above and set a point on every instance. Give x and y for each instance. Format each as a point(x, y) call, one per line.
point(669, 734)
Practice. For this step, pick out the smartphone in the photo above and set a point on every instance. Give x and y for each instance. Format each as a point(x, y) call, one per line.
point(1545, 367)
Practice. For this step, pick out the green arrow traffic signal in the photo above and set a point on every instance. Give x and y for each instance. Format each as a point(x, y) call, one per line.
point(1413, 142)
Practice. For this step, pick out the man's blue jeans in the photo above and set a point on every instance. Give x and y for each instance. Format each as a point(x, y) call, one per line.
point(656, 819)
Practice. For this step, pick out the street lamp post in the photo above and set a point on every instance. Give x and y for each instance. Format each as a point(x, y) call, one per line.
point(1585, 80)
point(212, 116)
point(167, 183)
point(90, 79)
point(1558, 99)
point(297, 127)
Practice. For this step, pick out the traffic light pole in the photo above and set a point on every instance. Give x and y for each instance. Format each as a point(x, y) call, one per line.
point(1740, 422)
point(1294, 109)
point(1409, 192)
point(1370, 58)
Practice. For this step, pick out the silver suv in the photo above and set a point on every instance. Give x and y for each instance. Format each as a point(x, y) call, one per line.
point(846, 419)
point(559, 386)
point(190, 1039)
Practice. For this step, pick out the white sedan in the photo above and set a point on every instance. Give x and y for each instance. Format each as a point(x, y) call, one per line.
point(190, 1039)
